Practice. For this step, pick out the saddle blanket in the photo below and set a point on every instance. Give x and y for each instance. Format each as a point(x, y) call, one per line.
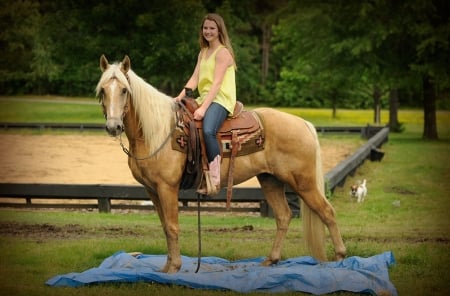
point(301, 274)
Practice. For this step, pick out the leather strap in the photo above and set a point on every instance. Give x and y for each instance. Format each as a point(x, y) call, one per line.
point(235, 147)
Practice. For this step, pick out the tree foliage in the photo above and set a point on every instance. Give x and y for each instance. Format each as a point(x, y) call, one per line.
point(338, 54)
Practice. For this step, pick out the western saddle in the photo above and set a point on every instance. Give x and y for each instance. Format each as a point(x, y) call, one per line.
point(242, 128)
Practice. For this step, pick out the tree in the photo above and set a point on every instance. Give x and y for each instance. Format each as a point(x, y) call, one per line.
point(17, 20)
point(394, 124)
point(431, 31)
point(318, 67)
point(384, 45)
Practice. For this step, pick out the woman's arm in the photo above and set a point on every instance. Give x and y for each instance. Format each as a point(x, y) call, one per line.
point(192, 82)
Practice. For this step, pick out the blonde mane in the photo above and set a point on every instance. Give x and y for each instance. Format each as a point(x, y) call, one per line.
point(154, 109)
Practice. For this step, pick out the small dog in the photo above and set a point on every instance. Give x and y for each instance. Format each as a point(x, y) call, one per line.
point(359, 191)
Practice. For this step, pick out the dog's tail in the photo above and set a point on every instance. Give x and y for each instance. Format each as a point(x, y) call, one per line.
point(364, 183)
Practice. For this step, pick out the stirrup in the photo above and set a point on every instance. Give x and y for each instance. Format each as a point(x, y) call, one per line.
point(207, 187)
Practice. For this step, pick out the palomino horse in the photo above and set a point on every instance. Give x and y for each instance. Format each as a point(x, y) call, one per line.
point(291, 156)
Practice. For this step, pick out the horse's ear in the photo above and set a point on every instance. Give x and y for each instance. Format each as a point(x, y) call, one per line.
point(126, 64)
point(103, 63)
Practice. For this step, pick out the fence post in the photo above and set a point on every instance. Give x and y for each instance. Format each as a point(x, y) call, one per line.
point(104, 205)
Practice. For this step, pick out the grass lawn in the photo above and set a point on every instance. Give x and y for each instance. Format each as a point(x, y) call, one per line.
point(406, 211)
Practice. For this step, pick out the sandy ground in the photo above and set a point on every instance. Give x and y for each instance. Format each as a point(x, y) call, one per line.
point(87, 159)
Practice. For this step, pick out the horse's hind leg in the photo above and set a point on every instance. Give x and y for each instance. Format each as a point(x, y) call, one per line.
point(274, 193)
point(318, 204)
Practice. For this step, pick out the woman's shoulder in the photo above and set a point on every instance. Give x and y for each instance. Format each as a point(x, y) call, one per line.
point(201, 53)
point(224, 53)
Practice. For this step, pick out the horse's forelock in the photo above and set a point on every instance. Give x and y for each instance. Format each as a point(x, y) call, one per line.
point(113, 71)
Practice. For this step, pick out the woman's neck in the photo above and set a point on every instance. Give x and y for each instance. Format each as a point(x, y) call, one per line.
point(214, 44)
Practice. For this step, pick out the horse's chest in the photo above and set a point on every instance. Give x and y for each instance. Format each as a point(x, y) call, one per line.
point(136, 170)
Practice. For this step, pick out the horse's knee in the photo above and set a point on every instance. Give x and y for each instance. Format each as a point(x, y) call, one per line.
point(283, 218)
point(325, 211)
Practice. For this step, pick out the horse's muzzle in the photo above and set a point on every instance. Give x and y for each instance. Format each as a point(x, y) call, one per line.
point(114, 126)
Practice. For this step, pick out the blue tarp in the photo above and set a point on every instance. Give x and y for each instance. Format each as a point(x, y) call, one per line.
point(305, 274)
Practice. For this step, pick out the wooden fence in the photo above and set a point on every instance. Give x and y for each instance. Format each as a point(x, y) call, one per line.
point(104, 195)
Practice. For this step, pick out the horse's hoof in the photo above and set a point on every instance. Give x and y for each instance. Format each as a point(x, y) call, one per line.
point(173, 270)
point(170, 269)
point(340, 257)
point(269, 262)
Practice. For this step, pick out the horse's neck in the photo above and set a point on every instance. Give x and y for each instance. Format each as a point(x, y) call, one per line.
point(132, 128)
point(156, 125)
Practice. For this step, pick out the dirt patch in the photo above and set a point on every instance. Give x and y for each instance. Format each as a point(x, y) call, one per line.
point(40, 230)
point(48, 231)
point(74, 159)
point(245, 228)
point(399, 190)
point(90, 159)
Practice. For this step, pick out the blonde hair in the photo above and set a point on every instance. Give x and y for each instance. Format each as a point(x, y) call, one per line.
point(223, 34)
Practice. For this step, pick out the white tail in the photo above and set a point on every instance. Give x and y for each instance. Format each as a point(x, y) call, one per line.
point(313, 227)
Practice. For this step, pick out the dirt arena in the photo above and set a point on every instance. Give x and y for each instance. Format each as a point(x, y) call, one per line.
point(87, 159)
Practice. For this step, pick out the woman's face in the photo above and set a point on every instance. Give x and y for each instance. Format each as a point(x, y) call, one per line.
point(210, 30)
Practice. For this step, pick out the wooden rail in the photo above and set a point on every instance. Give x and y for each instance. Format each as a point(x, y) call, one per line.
point(105, 194)
point(347, 167)
point(365, 131)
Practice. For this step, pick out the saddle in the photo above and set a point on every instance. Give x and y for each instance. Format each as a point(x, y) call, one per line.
point(241, 134)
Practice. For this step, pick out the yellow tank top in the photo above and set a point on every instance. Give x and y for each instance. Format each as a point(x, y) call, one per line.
point(226, 96)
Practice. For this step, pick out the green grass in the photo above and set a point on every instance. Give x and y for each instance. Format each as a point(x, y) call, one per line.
point(413, 174)
point(50, 109)
point(87, 110)
point(406, 211)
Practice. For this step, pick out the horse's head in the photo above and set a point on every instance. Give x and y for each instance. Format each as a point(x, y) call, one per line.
point(114, 93)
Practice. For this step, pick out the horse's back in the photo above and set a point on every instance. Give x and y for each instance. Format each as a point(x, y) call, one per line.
point(290, 144)
point(282, 126)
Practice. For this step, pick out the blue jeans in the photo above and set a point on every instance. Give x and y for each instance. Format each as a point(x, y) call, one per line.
point(213, 120)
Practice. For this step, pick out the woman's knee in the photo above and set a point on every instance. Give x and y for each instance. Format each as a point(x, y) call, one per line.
point(208, 128)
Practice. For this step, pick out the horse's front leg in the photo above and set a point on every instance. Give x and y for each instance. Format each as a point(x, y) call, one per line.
point(166, 204)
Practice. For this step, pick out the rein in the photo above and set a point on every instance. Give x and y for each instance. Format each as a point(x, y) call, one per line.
point(127, 151)
point(199, 233)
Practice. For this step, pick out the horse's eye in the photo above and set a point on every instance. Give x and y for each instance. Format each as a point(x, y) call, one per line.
point(124, 91)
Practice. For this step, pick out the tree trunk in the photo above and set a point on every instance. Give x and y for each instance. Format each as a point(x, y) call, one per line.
point(266, 35)
point(376, 105)
point(394, 125)
point(334, 102)
point(429, 109)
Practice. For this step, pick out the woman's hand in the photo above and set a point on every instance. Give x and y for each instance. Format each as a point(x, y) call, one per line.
point(199, 113)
